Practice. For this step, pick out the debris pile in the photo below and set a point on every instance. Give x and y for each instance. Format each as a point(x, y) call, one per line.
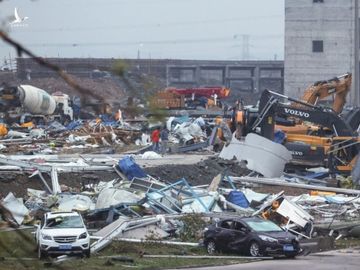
point(131, 180)
point(86, 138)
point(137, 205)
point(185, 134)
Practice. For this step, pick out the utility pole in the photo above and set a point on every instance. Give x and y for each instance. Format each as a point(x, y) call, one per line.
point(246, 47)
point(356, 54)
point(10, 62)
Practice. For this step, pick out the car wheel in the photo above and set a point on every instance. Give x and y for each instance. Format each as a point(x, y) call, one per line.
point(41, 253)
point(211, 247)
point(254, 249)
point(290, 256)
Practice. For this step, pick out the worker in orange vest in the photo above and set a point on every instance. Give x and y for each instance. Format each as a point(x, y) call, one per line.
point(3, 129)
point(239, 124)
point(237, 118)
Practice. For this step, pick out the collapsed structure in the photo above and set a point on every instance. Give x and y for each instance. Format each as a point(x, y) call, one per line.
point(135, 205)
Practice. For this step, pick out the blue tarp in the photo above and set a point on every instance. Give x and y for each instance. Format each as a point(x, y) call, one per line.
point(74, 125)
point(238, 198)
point(318, 175)
point(128, 166)
point(108, 120)
point(279, 136)
point(331, 199)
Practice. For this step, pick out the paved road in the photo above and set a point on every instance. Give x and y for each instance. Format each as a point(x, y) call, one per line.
point(340, 260)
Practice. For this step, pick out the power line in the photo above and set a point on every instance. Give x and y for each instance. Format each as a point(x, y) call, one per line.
point(148, 42)
point(148, 25)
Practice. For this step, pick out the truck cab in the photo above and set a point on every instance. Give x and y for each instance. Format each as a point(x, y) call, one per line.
point(63, 105)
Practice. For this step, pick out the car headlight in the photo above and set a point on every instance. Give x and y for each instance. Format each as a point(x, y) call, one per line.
point(45, 236)
point(268, 238)
point(83, 235)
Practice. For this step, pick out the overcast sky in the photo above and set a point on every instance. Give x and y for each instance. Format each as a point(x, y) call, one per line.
point(184, 29)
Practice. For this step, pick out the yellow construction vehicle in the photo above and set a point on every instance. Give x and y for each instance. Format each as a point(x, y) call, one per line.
point(338, 87)
point(335, 146)
point(316, 135)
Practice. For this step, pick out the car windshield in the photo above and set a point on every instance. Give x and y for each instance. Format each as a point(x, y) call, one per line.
point(64, 222)
point(263, 226)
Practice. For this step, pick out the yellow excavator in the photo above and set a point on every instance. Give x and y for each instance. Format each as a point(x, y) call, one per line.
point(335, 146)
point(319, 137)
point(316, 135)
point(337, 87)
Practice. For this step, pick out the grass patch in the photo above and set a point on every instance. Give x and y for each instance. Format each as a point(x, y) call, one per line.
point(18, 251)
point(17, 244)
point(347, 243)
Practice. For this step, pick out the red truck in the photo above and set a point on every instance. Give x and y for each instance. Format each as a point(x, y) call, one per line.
point(175, 98)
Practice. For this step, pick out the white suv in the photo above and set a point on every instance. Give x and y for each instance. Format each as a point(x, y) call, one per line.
point(62, 233)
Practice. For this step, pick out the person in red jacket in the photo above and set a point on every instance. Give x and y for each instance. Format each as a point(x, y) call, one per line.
point(155, 138)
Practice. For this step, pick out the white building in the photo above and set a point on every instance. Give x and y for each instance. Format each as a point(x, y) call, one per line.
point(319, 42)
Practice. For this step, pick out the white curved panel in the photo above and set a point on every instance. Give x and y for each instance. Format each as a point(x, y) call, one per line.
point(36, 100)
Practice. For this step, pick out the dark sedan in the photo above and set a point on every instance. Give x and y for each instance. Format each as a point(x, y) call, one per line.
point(252, 235)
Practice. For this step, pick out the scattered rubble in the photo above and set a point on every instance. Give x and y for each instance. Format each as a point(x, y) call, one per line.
point(134, 204)
point(127, 189)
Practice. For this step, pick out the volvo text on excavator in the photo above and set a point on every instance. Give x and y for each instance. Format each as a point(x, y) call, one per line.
point(336, 149)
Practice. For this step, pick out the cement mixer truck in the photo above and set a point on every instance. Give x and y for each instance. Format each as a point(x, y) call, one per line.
point(28, 103)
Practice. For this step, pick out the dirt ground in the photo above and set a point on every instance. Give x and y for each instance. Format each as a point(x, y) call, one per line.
point(19, 183)
point(200, 173)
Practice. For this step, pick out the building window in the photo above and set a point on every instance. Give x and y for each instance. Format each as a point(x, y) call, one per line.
point(318, 1)
point(243, 72)
point(211, 76)
point(317, 46)
point(271, 73)
point(241, 85)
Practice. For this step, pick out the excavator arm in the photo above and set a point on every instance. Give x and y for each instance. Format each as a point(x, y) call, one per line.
point(338, 86)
